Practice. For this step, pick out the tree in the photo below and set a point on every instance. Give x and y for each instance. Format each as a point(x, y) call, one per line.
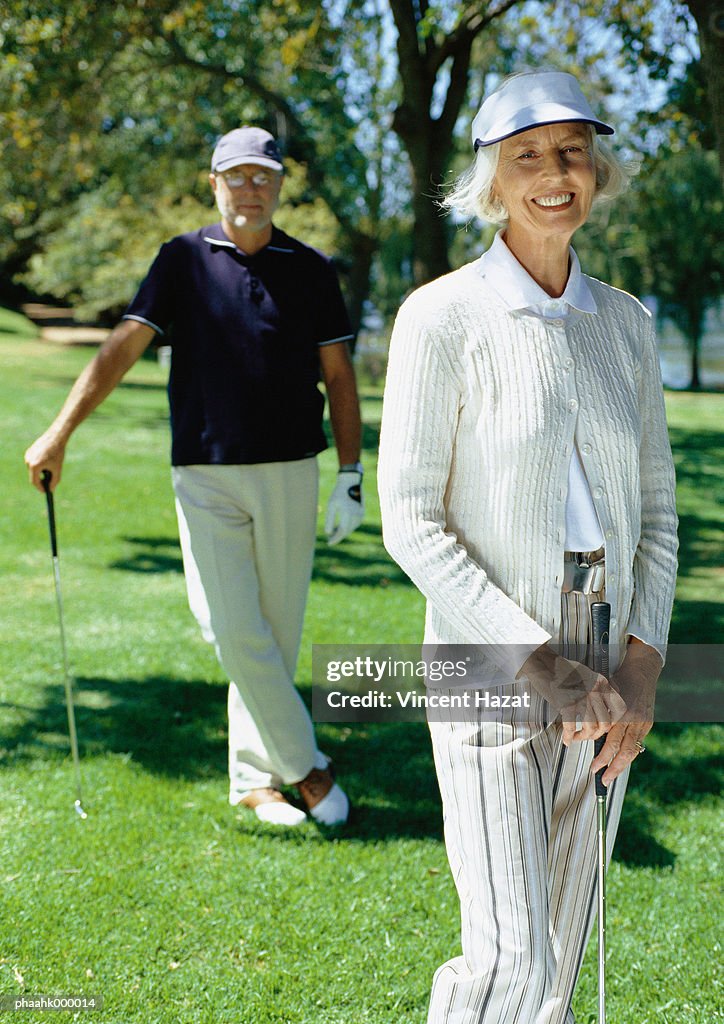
point(126, 99)
point(431, 49)
point(446, 51)
point(709, 16)
point(137, 93)
point(681, 219)
point(289, 58)
point(665, 239)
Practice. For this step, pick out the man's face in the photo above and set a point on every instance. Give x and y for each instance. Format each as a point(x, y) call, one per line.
point(247, 195)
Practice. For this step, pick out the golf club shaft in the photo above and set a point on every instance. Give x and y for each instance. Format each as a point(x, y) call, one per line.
point(600, 622)
point(69, 704)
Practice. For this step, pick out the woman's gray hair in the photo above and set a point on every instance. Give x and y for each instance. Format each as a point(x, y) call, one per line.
point(473, 193)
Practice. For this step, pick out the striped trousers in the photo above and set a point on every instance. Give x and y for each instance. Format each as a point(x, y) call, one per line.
point(520, 831)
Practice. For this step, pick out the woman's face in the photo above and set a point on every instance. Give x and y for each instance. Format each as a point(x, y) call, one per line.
point(546, 179)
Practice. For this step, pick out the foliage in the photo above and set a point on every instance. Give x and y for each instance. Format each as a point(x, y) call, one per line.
point(449, 53)
point(373, 97)
point(664, 238)
point(100, 254)
point(140, 107)
point(681, 219)
point(708, 14)
point(96, 259)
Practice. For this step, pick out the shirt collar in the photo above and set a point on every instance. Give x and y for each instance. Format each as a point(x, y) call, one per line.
point(512, 282)
point(216, 236)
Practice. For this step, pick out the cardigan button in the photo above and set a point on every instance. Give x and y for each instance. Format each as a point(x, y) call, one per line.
point(586, 449)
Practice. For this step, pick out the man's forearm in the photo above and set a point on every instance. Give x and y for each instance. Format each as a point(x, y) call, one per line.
point(113, 360)
point(118, 353)
point(345, 418)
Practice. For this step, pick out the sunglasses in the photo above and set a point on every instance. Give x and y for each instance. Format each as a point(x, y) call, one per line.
point(236, 179)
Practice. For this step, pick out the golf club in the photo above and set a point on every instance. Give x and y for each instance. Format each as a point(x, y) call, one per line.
point(45, 480)
point(600, 621)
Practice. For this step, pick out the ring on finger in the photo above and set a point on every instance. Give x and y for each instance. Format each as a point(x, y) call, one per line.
point(640, 748)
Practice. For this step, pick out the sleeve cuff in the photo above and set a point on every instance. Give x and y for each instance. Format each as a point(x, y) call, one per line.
point(657, 645)
point(143, 320)
point(336, 341)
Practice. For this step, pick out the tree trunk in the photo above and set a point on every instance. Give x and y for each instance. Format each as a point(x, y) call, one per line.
point(430, 241)
point(357, 281)
point(428, 140)
point(695, 346)
point(709, 15)
point(695, 384)
point(430, 231)
point(696, 320)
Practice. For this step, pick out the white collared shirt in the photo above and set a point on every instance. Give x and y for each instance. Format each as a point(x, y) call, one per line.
point(517, 289)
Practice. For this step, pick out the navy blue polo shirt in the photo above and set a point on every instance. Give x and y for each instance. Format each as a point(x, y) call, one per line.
point(245, 333)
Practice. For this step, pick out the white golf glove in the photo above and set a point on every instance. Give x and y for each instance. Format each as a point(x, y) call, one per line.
point(346, 507)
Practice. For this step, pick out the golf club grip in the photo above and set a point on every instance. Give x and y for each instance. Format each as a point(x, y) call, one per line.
point(600, 623)
point(45, 478)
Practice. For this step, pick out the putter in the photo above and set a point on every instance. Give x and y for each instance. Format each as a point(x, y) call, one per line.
point(45, 480)
point(600, 620)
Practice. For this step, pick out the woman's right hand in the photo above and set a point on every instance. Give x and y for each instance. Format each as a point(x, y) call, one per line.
point(587, 703)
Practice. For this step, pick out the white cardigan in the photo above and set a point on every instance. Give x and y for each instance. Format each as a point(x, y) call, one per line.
point(481, 410)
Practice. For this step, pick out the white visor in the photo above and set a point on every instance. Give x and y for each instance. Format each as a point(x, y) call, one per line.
point(545, 97)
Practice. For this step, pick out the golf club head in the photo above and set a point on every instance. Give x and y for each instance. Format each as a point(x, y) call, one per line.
point(79, 810)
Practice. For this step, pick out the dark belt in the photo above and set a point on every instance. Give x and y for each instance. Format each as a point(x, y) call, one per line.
point(584, 572)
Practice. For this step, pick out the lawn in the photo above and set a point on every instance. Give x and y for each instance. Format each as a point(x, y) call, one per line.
point(176, 910)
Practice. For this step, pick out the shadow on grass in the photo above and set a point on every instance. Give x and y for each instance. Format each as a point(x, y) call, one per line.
point(360, 561)
point(697, 454)
point(151, 554)
point(370, 436)
point(388, 772)
point(658, 783)
point(171, 727)
point(696, 622)
point(177, 728)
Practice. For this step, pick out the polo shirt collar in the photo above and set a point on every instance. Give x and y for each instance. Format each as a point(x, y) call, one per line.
point(216, 236)
point(519, 292)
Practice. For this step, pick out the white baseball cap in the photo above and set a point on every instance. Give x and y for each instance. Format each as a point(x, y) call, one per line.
point(526, 100)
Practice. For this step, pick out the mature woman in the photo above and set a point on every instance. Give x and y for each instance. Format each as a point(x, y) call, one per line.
point(525, 472)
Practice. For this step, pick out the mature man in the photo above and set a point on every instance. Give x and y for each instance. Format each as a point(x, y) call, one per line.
point(251, 315)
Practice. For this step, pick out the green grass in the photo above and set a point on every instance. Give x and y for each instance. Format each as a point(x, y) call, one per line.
point(177, 910)
point(16, 324)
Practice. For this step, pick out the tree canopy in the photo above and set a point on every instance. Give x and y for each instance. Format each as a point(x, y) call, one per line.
point(110, 111)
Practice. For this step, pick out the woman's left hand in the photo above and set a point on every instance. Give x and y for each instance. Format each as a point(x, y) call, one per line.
point(635, 679)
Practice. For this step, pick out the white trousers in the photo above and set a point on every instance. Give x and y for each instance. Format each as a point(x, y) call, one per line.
point(521, 837)
point(247, 536)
